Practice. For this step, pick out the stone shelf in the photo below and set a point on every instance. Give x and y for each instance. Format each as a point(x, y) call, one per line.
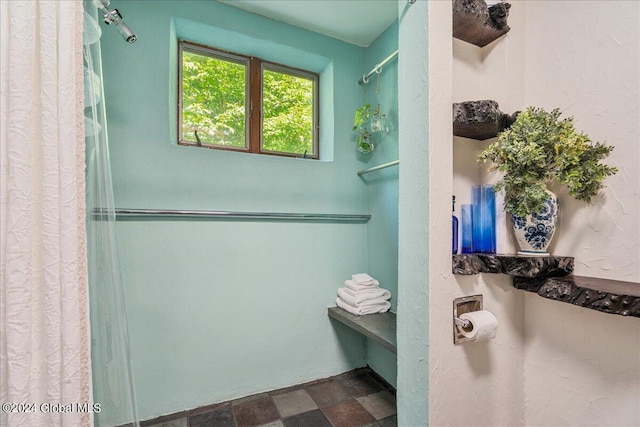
point(476, 23)
point(380, 327)
point(480, 119)
point(608, 296)
point(513, 265)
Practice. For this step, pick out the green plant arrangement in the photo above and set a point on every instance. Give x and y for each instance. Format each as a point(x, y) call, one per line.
point(540, 148)
point(360, 119)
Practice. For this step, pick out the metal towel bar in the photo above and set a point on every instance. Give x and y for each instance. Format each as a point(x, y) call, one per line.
point(377, 168)
point(168, 213)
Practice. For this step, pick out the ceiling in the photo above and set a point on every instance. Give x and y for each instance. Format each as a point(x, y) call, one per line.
point(358, 22)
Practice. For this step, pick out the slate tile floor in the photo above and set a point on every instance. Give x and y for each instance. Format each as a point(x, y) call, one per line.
point(356, 398)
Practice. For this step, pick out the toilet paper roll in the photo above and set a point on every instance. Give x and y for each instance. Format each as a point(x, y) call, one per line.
point(483, 325)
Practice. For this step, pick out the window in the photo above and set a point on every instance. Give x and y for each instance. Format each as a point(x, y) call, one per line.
point(235, 102)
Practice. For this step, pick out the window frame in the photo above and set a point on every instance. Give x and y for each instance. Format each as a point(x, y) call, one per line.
point(253, 99)
point(200, 49)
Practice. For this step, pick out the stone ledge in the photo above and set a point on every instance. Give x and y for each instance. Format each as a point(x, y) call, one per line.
point(477, 23)
point(480, 120)
point(608, 296)
point(380, 327)
point(513, 265)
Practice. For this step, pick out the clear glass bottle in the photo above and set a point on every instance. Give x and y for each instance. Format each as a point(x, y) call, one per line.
point(454, 228)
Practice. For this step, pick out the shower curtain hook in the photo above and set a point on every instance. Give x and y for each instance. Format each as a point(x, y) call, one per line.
point(364, 78)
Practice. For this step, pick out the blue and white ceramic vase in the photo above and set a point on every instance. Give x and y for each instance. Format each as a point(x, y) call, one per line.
point(535, 231)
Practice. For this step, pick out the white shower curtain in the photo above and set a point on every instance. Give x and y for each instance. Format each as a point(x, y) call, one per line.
point(44, 348)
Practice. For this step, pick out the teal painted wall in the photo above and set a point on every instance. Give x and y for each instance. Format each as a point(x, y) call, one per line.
point(219, 310)
point(414, 100)
point(382, 190)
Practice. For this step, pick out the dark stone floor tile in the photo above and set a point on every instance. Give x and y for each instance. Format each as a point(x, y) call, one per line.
point(286, 389)
point(180, 422)
point(249, 398)
point(381, 404)
point(222, 417)
point(389, 422)
point(308, 419)
point(293, 403)
point(208, 408)
point(163, 420)
point(383, 383)
point(327, 393)
point(255, 412)
point(359, 383)
point(348, 414)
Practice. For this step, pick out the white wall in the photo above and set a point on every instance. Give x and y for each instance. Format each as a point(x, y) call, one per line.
point(582, 367)
point(475, 384)
point(551, 364)
point(583, 57)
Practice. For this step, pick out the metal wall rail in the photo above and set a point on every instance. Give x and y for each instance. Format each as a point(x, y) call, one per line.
point(377, 68)
point(377, 168)
point(276, 216)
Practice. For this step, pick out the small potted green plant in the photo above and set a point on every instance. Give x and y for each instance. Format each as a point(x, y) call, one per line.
point(539, 149)
point(360, 120)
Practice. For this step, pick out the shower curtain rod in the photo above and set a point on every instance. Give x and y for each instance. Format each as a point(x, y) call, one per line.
point(377, 68)
point(169, 213)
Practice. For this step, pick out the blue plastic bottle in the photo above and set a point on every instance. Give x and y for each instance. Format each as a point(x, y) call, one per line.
point(454, 229)
point(484, 219)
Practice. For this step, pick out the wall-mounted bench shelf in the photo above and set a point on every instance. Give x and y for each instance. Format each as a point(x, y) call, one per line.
point(476, 23)
point(550, 277)
point(380, 327)
point(480, 119)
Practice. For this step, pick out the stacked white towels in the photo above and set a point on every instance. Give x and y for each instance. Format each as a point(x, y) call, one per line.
point(363, 295)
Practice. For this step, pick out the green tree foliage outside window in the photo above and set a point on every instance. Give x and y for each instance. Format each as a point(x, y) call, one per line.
point(214, 103)
point(213, 100)
point(287, 104)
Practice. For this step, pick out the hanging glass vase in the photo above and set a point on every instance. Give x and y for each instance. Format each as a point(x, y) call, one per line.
point(365, 143)
point(379, 122)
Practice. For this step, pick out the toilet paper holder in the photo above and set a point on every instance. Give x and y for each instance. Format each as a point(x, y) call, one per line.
point(461, 322)
point(460, 306)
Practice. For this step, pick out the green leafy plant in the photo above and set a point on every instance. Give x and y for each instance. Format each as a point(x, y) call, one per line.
point(540, 148)
point(361, 117)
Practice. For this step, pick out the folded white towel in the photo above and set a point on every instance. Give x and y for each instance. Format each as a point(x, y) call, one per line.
point(349, 284)
point(360, 298)
point(359, 311)
point(362, 279)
